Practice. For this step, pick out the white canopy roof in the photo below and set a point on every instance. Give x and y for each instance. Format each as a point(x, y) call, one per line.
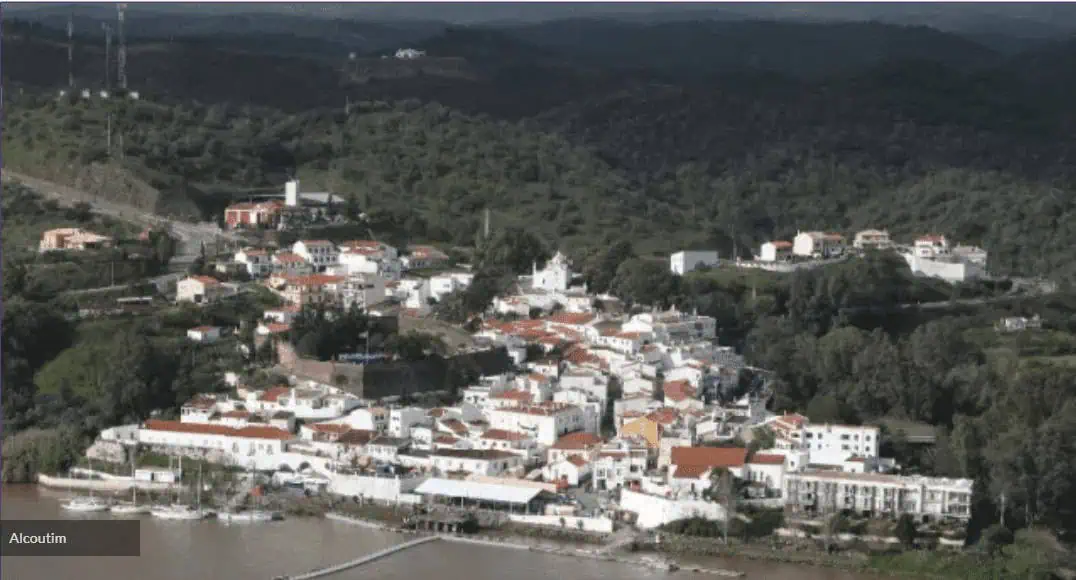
point(477, 490)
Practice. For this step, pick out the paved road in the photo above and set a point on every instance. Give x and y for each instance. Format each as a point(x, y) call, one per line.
point(941, 304)
point(161, 282)
point(191, 235)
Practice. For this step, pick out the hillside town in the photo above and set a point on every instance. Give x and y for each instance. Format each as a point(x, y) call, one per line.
point(931, 255)
point(600, 414)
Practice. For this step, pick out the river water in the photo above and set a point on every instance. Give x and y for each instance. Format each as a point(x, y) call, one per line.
point(205, 550)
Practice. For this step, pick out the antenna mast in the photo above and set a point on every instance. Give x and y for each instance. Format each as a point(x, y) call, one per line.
point(108, 55)
point(71, 51)
point(122, 64)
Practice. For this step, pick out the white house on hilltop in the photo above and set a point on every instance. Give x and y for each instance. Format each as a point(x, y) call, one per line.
point(818, 244)
point(686, 261)
point(775, 251)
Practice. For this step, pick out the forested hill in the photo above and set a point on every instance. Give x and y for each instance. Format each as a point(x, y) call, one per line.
point(531, 67)
point(575, 149)
point(701, 48)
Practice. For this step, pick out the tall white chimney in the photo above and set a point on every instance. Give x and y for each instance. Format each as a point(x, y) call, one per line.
point(291, 193)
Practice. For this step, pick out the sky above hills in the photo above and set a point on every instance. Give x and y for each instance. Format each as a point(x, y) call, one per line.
point(1031, 18)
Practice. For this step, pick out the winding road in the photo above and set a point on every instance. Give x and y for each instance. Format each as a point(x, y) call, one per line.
point(191, 235)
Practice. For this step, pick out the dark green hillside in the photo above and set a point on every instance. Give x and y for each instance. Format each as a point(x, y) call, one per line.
point(702, 48)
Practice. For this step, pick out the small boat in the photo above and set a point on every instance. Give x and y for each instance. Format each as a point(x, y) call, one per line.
point(177, 512)
point(86, 504)
point(254, 516)
point(129, 509)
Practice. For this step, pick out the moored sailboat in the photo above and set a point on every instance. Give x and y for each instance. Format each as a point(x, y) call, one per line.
point(88, 503)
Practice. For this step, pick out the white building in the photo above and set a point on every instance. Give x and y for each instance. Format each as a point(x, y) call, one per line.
point(199, 289)
point(620, 463)
point(825, 444)
point(257, 446)
point(546, 422)
point(256, 262)
point(928, 498)
point(402, 419)
point(409, 54)
point(363, 290)
point(872, 240)
point(775, 251)
point(290, 264)
point(204, 334)
point(673, 326)
point(931, 246)
point(556, 276)
point(446, 283)
point(321, 254)
point(818, 245)
point(476, 461)
point(687, 261)
point(570, 471)
point(369, 257)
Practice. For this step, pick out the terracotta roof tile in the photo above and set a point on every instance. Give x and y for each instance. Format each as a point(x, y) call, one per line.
point(577, 440)
point(202, 428)
point(709, 456)
point(677, 391)
point(577, 460)
point(767, 459)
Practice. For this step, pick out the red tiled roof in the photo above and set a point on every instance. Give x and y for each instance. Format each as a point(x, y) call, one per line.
point(357, 437)
point(339, 428)
point(767, 459)
point(933, 238)
point(793, 419)
point(455, 425)
point(781, 244)
point(288, 257)
point(436, 412)
point(677, 391)
point(202, 428)
point(709, 456)
point(577, 460)
point(446, 439)
point(206, 280)
point(690, 471)
point(572, 318)
point(515, 395)
point(237, 414)
point(203, 328)
point(577, 440)
point(664, 415)
point(271, 395)
point(201, 402)
point(315, 280)
point(247, 205)
point(504, 435)
point(545, 409)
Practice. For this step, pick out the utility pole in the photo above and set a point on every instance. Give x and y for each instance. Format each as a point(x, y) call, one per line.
point(108, 130)
point(122, 60)
point(108, 55)
point(487, 224)
point(71, 52)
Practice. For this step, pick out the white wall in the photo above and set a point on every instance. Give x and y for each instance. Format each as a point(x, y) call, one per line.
point(654, 511)
point(388, 489)
point(687, 261)
point(948, 271)
point(600, 525)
